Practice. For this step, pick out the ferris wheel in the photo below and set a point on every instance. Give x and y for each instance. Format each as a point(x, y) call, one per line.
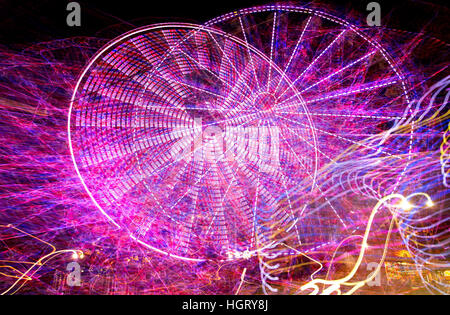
point(186, 136)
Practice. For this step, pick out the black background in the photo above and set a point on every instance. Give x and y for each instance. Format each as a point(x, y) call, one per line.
point(26, 21)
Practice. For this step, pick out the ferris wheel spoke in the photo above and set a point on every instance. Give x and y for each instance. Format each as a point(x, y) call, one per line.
point(249, 53)
point(316, 59)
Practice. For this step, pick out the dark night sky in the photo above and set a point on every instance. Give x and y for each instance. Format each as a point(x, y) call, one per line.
point(27, 21)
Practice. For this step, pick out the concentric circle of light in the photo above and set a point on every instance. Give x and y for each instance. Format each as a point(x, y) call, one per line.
point(354, 92)
point(146, 120)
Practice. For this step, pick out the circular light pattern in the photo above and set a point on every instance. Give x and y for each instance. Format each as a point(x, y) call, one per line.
point(175, 136)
